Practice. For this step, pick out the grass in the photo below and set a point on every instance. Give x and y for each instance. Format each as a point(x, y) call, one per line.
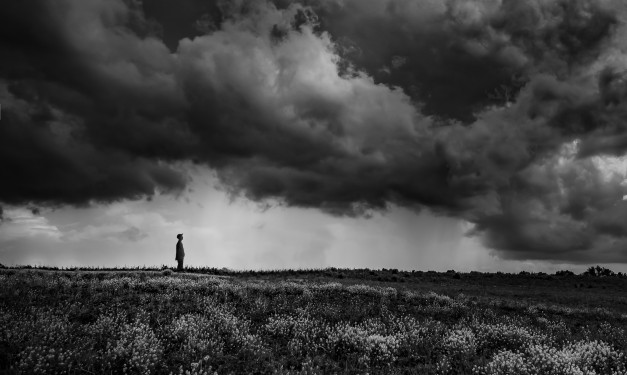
point(325, 321)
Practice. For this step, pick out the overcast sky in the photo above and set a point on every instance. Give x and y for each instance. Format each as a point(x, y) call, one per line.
point(411, 134)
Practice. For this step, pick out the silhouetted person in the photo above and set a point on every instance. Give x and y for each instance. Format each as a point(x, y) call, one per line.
point(180, 252)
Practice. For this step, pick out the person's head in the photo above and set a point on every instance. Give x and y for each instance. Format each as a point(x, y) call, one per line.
point(180, 236)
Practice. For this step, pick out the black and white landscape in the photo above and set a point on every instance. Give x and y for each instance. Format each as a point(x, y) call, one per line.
point(342, 144)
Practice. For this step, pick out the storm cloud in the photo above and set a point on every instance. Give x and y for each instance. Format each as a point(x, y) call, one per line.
point(505, 114)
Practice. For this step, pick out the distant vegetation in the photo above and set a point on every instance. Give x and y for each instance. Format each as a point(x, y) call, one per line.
point(600, 271)
point(155, 321)
point(383, 274)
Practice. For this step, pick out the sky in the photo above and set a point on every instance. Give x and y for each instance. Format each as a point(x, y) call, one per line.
point(413, 134)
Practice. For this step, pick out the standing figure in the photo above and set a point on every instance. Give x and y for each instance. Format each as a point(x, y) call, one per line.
point(180, 252)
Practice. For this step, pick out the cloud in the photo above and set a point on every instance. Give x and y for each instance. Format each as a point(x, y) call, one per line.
point(24, 223)
point(123, 222)
point(67, 87)
point(492, 112)
point(118, 232)
point(461, 55)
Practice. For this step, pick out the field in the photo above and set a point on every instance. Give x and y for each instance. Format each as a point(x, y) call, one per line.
point(310, 322)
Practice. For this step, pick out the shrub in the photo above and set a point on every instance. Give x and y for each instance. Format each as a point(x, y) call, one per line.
point(599, 271)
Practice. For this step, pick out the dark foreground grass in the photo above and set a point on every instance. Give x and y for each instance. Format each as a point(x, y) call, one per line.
point(309, 322)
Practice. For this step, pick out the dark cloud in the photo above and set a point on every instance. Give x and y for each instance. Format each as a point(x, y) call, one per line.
point(46, 162)
point(188, 19)
point(65, 115)
point(460, 55)
point(505, 114)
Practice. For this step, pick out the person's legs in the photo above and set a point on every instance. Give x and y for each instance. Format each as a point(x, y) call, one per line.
point(180, 267)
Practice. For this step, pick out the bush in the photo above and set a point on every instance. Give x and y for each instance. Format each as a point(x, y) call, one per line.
point(167, 272)
point(599, 271)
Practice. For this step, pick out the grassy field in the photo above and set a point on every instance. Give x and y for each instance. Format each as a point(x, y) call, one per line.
point(205, 321)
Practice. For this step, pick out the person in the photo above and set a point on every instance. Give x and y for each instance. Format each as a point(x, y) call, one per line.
point(180, 252)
